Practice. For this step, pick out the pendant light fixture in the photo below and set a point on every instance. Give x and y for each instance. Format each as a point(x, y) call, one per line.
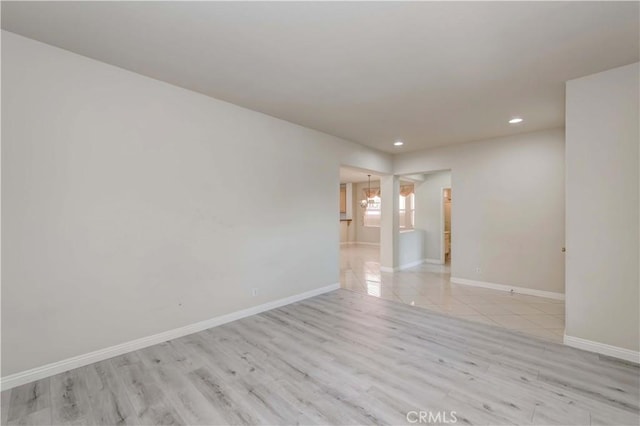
point(367, 201)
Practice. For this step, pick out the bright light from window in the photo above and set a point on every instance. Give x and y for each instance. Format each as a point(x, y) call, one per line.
point(406, 207)
point(372, 213)
point(374, 289)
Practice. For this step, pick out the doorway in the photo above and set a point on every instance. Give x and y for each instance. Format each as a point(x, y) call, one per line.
point(360, 216)
point(446, 226)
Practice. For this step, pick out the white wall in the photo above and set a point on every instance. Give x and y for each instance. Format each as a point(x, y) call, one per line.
point(508, 207)
point(410, 247)
point(121, 199)
point(602, 208)
point(429, 211)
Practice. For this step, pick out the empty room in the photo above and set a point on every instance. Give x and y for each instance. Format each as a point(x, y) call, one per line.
point(320, 213)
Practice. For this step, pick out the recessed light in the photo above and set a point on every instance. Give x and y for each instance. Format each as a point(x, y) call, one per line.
point(516, 120)
point(398, 143)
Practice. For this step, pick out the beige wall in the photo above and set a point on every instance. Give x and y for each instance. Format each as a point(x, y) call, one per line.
point(602, 208)
point(348, 229)
point(347, 232)
point(508, 207)
point(120, 199)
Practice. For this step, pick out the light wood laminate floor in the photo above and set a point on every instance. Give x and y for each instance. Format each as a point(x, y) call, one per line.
point(339, 358)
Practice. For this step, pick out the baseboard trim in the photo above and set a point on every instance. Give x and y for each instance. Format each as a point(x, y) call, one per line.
point(411, 264)
point(602, 348)
point(502, 287)
point(48, 370)
point(401, 267)
point(434, 261)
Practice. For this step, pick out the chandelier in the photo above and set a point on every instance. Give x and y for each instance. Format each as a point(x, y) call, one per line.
point(367, 201)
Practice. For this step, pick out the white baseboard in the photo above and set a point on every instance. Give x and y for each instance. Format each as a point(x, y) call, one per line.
point(602, 348)
point(434, 261)
point(401, 267)
point(411, 264)
point(502, 287)
point(38, 373)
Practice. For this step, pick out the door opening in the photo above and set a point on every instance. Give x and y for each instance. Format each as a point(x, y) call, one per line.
point(446, 226)
point(360, 220)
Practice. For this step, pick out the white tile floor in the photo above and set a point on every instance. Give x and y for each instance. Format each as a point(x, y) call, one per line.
point(428, 286)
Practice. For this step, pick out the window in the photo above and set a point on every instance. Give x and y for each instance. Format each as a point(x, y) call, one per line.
point(372, 212)
point(371, 215)
point(407, 207)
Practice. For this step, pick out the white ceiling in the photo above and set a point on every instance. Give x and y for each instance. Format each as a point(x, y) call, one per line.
point(349, 175)
point(429, 73)
point(352, 175)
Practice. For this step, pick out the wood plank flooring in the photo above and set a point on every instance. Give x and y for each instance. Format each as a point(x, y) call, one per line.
point(339, 358)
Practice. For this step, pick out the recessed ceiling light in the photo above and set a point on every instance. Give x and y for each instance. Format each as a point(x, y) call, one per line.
point(398, 143)
point(516, 120)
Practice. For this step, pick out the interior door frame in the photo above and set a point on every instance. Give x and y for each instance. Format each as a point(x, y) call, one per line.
point(442, 224)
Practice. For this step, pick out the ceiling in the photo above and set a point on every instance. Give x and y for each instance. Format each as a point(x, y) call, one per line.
point(349, 175)
point(352, 175)
point(429, 73)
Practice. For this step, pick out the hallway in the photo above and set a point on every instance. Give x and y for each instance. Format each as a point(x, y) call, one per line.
point(428, 286)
